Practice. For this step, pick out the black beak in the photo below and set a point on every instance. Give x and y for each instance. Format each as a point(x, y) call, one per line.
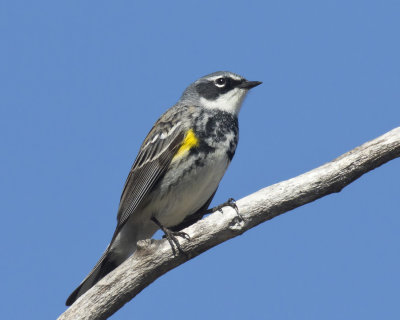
point(249, 84)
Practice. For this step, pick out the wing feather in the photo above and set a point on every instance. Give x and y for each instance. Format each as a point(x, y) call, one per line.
point(150, 165)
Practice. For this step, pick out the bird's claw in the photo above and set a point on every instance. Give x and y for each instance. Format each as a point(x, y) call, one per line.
point(230, 203)
point(172, 239)
point(171, 236)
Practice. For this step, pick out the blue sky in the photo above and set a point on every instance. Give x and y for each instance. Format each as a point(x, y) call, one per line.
point(82, 84)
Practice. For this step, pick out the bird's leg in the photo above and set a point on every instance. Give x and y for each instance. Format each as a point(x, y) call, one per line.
point(171, 236)
point(230, 203)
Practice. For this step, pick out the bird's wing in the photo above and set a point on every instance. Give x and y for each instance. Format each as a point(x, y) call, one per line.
point(155, 155)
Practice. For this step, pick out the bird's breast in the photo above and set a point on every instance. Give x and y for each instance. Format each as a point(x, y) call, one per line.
point(185, 188)
point(197, 169)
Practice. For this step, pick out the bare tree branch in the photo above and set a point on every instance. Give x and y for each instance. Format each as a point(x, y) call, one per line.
point(153, 258)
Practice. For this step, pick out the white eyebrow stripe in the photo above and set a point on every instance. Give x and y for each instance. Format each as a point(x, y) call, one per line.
point(233, 76)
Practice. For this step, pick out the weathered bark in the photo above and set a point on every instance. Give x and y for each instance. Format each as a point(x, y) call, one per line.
point(154, 257)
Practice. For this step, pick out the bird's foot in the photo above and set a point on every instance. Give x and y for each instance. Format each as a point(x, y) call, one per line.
point(172, 237)
point(230, 203)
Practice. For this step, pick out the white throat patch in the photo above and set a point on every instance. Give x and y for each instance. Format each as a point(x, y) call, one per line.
point(230, 101)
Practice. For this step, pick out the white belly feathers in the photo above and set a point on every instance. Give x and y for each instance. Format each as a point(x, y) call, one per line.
point(189, 192)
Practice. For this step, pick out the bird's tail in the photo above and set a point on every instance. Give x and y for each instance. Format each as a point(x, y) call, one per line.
point(122, 245)
point(104, 266)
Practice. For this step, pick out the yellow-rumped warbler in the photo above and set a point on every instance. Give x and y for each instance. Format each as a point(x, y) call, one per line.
point(178, 169)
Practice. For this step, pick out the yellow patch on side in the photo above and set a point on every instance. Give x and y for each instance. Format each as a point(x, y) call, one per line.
point(188, 143)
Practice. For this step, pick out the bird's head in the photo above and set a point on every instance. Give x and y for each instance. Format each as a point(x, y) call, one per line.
point(220, 90)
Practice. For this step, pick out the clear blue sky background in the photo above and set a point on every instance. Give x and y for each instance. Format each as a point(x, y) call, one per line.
point(82, 83)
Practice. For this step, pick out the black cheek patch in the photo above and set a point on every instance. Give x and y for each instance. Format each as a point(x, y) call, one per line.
point(208, 90)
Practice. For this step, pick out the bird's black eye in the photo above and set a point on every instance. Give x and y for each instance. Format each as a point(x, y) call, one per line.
point(220, 82)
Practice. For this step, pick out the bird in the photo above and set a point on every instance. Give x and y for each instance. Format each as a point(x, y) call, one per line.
point(177, 170)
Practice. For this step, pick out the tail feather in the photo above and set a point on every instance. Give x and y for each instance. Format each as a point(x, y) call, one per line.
point(122, 245)
point(105, 265)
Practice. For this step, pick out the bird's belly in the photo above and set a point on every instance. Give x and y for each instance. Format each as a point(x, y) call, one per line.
point(181, 195)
